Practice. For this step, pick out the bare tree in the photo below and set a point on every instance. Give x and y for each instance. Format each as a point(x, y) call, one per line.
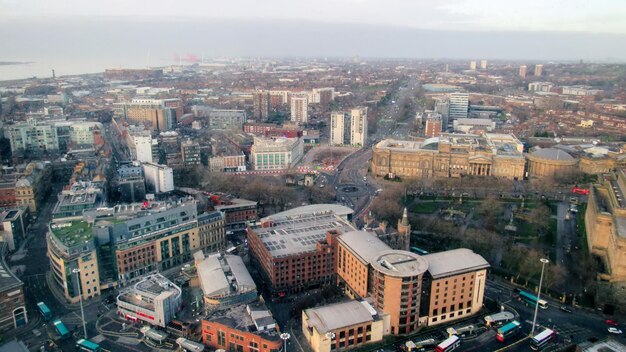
point(490, 209)
point(540, 217)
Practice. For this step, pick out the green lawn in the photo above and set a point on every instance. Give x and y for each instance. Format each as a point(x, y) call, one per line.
point(428, 208)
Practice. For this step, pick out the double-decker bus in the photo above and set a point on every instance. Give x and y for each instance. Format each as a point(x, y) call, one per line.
point(45, 312)
point(449, 344)
point(61, 329)
point(532, 299)
point(509, 329)
point(542, 339)
point(418, 251)
point(86, 345)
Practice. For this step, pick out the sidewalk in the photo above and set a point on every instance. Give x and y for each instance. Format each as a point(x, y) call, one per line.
point(61, 297)
point(14, 333)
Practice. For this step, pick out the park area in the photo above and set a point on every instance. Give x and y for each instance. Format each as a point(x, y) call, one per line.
point(512, 233)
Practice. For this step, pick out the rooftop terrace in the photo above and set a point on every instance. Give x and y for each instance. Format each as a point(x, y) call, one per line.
point(72, 233)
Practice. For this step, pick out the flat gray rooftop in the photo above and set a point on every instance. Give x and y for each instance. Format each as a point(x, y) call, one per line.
point(299, 234)
point(338, 209)
point(453, 262)
point(400, 263)
point(364, 244)
point(336, 316)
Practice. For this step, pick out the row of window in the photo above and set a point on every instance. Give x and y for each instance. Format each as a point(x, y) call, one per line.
point(444, 317)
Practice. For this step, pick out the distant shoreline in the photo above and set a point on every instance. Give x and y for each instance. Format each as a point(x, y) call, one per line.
point(8, 63)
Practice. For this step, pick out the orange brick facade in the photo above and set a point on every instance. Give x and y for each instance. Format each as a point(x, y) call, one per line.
point(456, 296)
point(136, 258)
point(219, 336)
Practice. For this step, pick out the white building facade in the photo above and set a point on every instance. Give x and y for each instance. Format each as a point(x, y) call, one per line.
point(276, 154)
point(159, 178)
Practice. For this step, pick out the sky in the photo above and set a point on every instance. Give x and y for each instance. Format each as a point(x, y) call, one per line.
point(81, 36)
point(591, 16)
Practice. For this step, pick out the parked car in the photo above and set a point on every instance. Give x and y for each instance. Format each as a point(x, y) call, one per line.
point(615, 331)
point(611, 322)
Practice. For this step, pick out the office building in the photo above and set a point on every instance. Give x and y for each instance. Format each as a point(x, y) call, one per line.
point(580, 90)
point(159, 114)
point(522, 71)
point(299, 108)
point(433, 128)
point(141, 149)
point(238, 212)
point(454, 286)
point(12, 301)
point(483, 64)
point(243, 328)
point(154, 300)
point(538, 70)
point(226, 120)
point(116, 246)
point(228, 163)
point(472, 65)
point(276, 153)
point(540, 86)
point(33, 136)
point(326, 96)
point(294, 253)
point(459, 105)
point(450, 155)
point(130, 182)
point(338, 125)
point(261, 105)
point(476, 126)
point(224, 280)
point(33, 185)
point(342, 326)
point(159, 178)
point(80, 196)
point(367, 266)
point(211, 231)
point(13, 226)
point(358, 126)
point(442, 107)
point(190, 153)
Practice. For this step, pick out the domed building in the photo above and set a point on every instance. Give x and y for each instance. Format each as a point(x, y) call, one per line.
point(549, 162)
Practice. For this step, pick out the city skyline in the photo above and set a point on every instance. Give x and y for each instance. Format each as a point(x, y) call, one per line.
point(75, 37)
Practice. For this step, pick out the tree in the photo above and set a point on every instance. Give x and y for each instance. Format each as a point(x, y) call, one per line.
point(490, 209)
point(388, 205)
point(540, 217)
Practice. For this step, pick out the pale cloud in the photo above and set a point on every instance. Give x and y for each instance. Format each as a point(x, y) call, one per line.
point(599, 16)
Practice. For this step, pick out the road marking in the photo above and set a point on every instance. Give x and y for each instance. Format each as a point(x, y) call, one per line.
point(513, 344)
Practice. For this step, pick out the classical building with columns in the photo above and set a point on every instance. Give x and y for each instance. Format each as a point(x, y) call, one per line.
point(450, 155)
point(605, 224)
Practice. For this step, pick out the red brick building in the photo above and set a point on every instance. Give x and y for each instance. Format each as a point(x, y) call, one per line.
point(297, 252)
point(243, 328)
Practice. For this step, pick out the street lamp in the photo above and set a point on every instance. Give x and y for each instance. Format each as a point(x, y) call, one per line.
point(543, 261)
point(80, 297)
point(285, 336)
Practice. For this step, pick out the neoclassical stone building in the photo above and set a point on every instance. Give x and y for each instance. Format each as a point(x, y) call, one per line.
point(605, 222)
point(450, 155)
point(549, 162)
